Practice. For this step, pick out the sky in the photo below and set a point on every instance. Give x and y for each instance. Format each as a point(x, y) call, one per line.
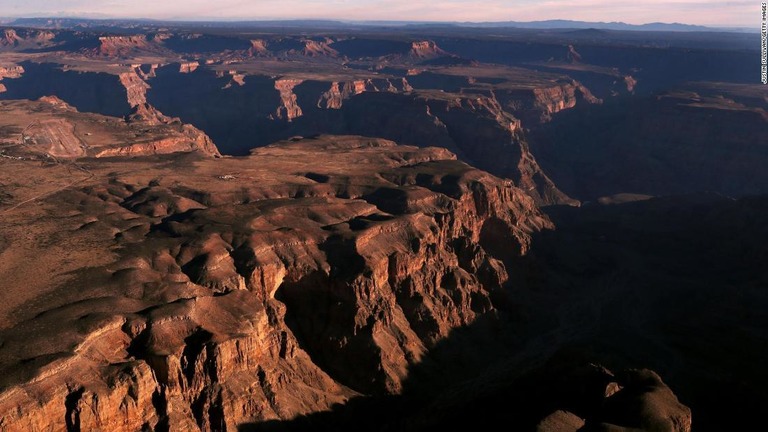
point(740, 13)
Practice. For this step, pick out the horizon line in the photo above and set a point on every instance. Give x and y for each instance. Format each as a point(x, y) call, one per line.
point(359, 21)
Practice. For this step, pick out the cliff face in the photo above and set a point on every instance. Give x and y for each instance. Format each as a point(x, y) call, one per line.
point(135, 88)
point(188, 67)
point(457, 110)
point(477, 125)
point(538, 105)
point(671, 138)
point(425, 50)
point(10, 38)
point(258, 48)
point(501, 147)
point(122, 46)
point(288, 109)
point(14, 71)
point(315, 48)
point(335, 96)
point(473, 125)
point(50, 127)
point(25, 38)
point(9, 72)
point(183, 138)
point(257, 288)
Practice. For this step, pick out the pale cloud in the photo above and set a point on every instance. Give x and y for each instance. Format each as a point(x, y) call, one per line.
point(721, 13)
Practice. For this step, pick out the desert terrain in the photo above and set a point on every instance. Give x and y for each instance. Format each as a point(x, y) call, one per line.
point(244, 226)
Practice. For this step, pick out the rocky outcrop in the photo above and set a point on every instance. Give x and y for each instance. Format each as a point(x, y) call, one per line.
point(13, 71)
point(499, 146)
point(573, 56)
point(120, 46)
point(10, 38)
point(9, 72)
point(135, 87)
point(51, 128)
point(188, 67)
point(335, 96)
point(289, 108)
point(632, 399)
point(25, 38)
point(185, 138)
point(130, 47)
point(235, 78)
point(562, 394)
point(630, 82)
point(317, 270)
point(146, 71)
point(57, 103)
point(426, 49)
point(540, 103)
point(473, 125)
point(142, 112)
point(319, 48)
point(554, 99)
point(258, 48)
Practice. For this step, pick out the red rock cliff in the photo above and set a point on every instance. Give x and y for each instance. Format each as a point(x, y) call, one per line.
point(249, 289)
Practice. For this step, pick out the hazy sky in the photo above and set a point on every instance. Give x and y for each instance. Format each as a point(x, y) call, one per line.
point(720, 13)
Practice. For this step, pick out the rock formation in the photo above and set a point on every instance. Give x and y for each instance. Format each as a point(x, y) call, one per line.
point(258, 47)
point(135, 87)
point(289, 109)
point(573, 56)
point(335, 96)
point(122, 46)
point(348, 283)
point(25, 38)
point(10, 38)
point(188, 67)
point(425, 50)
point(9, 72)
point(539, 104)
point(51, 128)
point(257, 288)
point(316, 48)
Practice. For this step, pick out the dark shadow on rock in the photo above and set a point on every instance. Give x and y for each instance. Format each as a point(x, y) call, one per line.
point(672, 285)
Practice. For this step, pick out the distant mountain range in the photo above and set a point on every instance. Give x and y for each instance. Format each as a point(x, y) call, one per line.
point(567, 24)
point(57, 22)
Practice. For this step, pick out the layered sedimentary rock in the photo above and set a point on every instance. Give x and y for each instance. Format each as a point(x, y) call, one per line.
point(25, 38)
point(317, 48)
point(288, 109)
point(135, 87)
point(10, 37)
point(425, 50)
point(539, 104)
point(258, 47)
point(248, 289)
point(340, 91)
point(473, 125)
point(121, 46)
point(13, 71)
point(9, 72)
point(51, 128)
point(188, 67)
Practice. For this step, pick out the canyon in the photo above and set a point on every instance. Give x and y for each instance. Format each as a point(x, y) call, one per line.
point(235, 228)
point(211, 290)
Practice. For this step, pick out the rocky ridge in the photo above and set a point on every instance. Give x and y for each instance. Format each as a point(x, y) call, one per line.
point(51, 128)
point(14, 71)
point(207, 322)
